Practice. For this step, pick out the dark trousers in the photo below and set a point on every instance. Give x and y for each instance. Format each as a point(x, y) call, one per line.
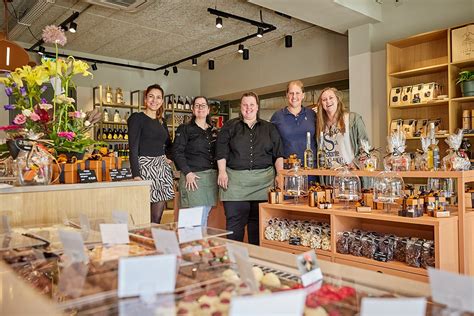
point(239, 214)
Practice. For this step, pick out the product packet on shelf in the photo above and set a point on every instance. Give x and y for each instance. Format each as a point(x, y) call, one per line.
point(456, 159)
point(421, 157)
point(397, 159)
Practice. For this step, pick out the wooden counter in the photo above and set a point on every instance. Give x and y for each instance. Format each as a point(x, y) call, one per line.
point(51, 204)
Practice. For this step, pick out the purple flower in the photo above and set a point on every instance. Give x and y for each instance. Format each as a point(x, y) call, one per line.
point(8, 91)
point(54, 35)
point(43, 89)
point(14, 85)
point(23, 91)
point(43, 101)
point(9, 107)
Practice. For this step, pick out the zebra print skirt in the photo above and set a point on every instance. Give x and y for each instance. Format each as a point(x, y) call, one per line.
point(159, 172)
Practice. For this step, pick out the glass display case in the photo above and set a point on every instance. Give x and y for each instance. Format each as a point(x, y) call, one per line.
point(347, 187)
point(295, 184)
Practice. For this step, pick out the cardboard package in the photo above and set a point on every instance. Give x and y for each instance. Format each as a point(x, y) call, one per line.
point(111, 163)
point(66, 173)
point(462, 47)
point(406, 95)
point(416, 93)
point(395, 96)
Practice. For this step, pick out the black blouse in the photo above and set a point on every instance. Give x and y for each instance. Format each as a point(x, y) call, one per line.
point(146, 137)
point(194, 149)
point(245, 148)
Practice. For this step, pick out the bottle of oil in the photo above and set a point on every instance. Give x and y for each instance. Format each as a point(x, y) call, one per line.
point(308, 153)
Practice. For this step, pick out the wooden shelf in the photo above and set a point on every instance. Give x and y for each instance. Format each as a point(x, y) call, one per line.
point(464, 63)
point(285, 244)
point(420, 38)
point(463, 99)
point(112, 123)
point(419, 105)
point(180, 111)
point(115, 140)
point(403, 174)
point(395, 265)
point(121, 106)
point(419, 71)
point(417, 137)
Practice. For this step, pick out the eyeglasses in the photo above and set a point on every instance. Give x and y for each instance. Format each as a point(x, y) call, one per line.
point(200, 106)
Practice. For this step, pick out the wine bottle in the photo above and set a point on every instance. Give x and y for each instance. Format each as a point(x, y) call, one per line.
point(180, 104)
point(321, 154)
point(106, 116)
point(115, 132)
point(110, 134)
point(433, 158)
point(104, 133)
point(125, 119)
point(308, 153)
point(187, 104)
point(117, 116)
point(125, 133)
point(108, 95)
point(97, 135)
point(120, 133)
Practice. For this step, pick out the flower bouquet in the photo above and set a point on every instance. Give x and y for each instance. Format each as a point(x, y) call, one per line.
point(57, 125)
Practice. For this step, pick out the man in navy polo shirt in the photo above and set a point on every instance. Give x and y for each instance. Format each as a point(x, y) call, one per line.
point(294, 121)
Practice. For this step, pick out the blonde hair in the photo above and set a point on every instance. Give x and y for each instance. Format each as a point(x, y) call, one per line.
point(297, 83)
point(322, 117)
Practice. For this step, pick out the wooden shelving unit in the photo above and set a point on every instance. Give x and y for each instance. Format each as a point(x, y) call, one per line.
point(454, 246)
point(425, 58)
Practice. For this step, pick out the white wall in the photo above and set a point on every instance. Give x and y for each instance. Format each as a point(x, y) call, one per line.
point(313, 54)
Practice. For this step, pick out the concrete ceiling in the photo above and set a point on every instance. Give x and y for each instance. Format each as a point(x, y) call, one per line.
point(163, 32)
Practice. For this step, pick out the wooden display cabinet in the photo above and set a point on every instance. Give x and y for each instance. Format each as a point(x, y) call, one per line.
point(454, 248)
point(425, 58)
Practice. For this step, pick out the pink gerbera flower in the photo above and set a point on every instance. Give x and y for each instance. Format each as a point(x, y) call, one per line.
point(68, 135)
point(54, 35)
point(19, 119)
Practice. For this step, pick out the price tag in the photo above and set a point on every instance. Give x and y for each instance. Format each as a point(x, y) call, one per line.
point(86, 176)
point(114, 234)
point(288, 303)
point(393, 306)
point(189, 217)
point(5, 227)
point(309, 268)
point(73, 245)
point(454, 290)
point(188, 234)
point(147, 275)
point(163, 305)
point(166, 241)
point(120, 217)
point(84, 222)
point(120, 174)
point(245, 271)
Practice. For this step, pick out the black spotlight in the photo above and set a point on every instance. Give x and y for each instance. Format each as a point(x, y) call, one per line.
point(194, 61)
point(167, 72)
point(260, 32)
point(246, 54)
point(41, 50)
point(288, 41)
point(175, 69)
point(73, 27)
point(211, 64)
point(241, 48)
point(219, 22)
point(94, 66)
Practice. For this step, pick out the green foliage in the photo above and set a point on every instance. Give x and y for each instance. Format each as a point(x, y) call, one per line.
point(465, 75)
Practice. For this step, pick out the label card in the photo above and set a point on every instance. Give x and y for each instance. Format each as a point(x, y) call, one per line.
point(187, 234)
point(84, 222)
point(73, 246)
point(114, 234)
point(163, 305)
point(120, 174)
point(120, 217)
point(233, 249)
point(72, 279)
point(309, 268)
point(288, 303)
point(148, 275)
point(166, 241)
point(454, 290)
point(189, 217)
point(393, 306)
point(5, 225)
point(86, 176)
point(245, 271)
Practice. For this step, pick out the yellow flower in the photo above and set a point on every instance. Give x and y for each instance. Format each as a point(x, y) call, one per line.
point(80, 67)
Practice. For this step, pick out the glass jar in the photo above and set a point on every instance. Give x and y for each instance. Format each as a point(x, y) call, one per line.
point(33, 165)
point(295, 184)
point(388, 187)
point(347, 186)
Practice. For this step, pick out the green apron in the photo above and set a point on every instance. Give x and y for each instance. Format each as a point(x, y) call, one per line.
point(248, 185)
point(205, 195)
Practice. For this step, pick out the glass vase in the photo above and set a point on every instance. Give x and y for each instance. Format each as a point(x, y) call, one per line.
point(33, 165)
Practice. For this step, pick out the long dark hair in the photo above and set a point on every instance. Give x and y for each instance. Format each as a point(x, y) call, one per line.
point(208, 117)
point(159, 112)
point(250, 94)
point(322, 117)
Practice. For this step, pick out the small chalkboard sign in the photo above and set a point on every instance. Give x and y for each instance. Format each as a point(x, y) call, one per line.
point(120, 174)
point(87, 176)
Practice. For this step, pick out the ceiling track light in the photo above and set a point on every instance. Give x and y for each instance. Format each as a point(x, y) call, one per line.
point(175, 69)
point(260, 32)
point(41, 50)
point(167, 72)
point(94, 66)
point(246, 54)
point(241, 48)
point(211, 64)
point(219, 22)
point(288, 41)
point(194, 61)
point(73, 27)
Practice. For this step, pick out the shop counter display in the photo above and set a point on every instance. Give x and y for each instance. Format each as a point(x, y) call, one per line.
point(49, 204)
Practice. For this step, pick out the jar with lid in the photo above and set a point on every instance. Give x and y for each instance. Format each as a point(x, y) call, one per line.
point(119, 96)
point(347, 186)
point(108, 95)
point(295, 184)
point(388, 187)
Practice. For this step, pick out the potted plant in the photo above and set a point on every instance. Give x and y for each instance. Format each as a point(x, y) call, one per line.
point(466, 79)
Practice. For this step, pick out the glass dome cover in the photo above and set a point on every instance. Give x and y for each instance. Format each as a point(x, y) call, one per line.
point(347, 185)
point(388, 187)
point(295, 184)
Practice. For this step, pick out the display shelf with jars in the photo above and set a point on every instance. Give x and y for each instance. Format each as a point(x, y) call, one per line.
point(451, 235)
point(115, 113)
